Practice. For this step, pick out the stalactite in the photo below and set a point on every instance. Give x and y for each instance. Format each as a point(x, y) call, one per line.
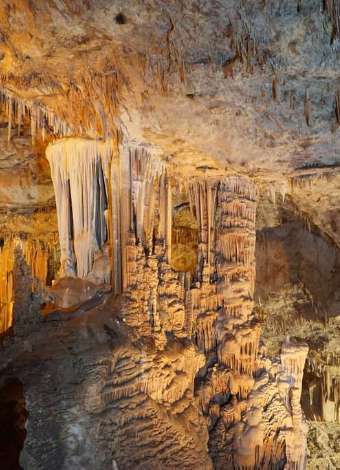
point(144, 173)
point(205, 333)
point(307, 108)
point(114, 227)
point(6, 287)
point(79, 171)
point(275, 88)
point(41, 118)
point(153, 293)
point(20, 112)
point(203, 202)
point(168, 233)
point(307, 180)
point(143, 191)
point(36, 254)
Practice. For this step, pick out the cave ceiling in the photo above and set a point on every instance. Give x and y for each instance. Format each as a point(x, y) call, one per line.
point(213, 86)
point(263, 75)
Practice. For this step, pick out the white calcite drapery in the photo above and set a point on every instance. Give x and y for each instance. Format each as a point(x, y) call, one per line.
point(79, 169)
point(101, 198)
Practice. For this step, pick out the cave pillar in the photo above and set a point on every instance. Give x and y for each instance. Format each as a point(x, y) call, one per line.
point(237, 333)
point(125, 210)
point(222, 301)
point(165, 214)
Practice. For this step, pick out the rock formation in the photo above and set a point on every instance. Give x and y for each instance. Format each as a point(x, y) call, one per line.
point(169, 246)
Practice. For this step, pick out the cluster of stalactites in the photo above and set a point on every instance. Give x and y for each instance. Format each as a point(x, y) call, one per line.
point(36, 255)
point(80, 169)
point(148, 180)
point(237, 336)
point(308, 180)
point(102, 200)
point(42, 119)
point(225, 212)
point(203, 204)
point(141, 205)
point(236, 222)
point(224, 205)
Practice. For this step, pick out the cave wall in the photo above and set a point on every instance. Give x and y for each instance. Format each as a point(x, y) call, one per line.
point(291, 254)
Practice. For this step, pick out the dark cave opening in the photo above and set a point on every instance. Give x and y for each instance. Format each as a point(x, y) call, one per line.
point(13, 416)
point(121, 18)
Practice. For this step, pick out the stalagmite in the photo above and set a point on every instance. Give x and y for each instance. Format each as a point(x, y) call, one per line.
point(293, 357)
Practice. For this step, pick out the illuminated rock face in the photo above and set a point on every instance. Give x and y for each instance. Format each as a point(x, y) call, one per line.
point(187, 343)
point(240, 392)
point(151, 356)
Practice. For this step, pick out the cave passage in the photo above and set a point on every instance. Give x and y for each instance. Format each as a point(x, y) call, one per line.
point(13, 417)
